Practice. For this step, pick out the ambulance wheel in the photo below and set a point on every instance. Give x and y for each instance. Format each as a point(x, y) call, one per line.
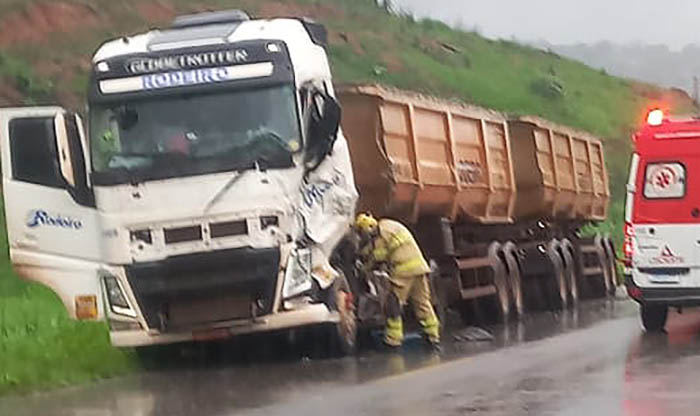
point(343, 334)
point(654, 317)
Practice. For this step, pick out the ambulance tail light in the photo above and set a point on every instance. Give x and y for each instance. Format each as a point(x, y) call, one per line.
point(628, 245)
point(655, 117)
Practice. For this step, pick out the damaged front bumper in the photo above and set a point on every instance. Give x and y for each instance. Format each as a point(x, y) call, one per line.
point(313, 314)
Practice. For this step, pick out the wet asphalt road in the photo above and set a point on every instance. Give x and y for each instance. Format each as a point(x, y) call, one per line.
point(591, 361)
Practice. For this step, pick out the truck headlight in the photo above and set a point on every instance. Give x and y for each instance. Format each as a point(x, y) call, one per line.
point(116, 297)
point(297, 276)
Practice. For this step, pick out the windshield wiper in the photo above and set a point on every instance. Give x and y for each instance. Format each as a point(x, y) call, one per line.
point(260, 165)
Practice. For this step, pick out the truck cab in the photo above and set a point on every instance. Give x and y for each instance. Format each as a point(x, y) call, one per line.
point(662, 218)
point(205, 194)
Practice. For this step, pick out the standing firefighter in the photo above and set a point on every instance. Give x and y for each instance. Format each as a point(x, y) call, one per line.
point(388, 241)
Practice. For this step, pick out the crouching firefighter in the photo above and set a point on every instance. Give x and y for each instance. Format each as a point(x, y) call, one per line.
point(390, 242)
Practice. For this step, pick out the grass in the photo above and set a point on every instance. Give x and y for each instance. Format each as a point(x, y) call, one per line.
point(40, 347)
point(20, 76)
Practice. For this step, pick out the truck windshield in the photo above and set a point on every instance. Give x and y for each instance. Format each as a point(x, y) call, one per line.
point(195, 134)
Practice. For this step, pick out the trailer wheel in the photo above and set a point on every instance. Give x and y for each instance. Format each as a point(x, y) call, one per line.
point(567, 254)
point(514, 277)
point(556, 285)
point(602, 252)
point(611, 264)
point(653, 317)
point(500, 281)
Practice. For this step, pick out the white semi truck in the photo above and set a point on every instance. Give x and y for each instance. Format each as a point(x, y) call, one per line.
point(211, 191)
point(206, 192)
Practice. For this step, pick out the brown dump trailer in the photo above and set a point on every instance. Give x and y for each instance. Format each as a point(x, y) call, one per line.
point(559, 172)
point(496, 202)
point(417, 156)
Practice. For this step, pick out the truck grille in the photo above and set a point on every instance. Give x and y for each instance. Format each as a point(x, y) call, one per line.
point(228, 229)
point(202, 288)
point(182, 234)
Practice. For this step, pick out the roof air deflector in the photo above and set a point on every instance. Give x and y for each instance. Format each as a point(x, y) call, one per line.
point(209, 18)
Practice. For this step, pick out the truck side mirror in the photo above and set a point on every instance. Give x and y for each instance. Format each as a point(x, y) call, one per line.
point(330, 119)
point(323, 128)
point(71, 157)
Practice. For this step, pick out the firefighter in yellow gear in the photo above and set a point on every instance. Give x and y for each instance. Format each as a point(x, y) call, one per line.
point(389, 241)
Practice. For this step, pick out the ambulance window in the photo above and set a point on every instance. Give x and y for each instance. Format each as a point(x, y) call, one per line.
point(664, 180)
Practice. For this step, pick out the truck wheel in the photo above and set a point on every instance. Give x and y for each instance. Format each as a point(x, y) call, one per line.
point(567, 255)
point(602, 253)
point(556, 285)
point(500, 281)
point(343, 334)
point(514, 278)
point(654, 317)
point(611, 264)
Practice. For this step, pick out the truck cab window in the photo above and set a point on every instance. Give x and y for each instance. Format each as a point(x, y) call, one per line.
point(198, 131)
point(34, 157)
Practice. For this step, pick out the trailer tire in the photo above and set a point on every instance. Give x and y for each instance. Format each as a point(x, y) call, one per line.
point(500, 281)
point(567, 254)
point(514, 277)
point(653, 317)
point(556, 285)
point(611, 264)
point(602, 252)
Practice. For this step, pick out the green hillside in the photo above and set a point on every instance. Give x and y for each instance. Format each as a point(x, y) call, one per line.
point(45, 50)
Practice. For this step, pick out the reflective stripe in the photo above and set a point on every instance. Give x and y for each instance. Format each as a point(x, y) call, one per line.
point(415, 264)
point(393, 333)
point(398, 239)
point(431, 328)
point(380, 253)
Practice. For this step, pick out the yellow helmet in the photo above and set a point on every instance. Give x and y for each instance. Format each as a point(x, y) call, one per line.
point(366, 222)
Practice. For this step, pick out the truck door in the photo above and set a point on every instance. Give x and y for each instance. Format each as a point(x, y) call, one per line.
point(50, 212)
point(666, 217)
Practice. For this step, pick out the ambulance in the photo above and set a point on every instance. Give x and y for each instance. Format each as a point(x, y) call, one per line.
point(662, 218)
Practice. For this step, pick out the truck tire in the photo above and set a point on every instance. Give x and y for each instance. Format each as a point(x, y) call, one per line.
point(556, 287)
point(611, 264)
point(653, 317)
point(602, 251)
point(500, 281)
point(567, 254)
point(342, 336)
point(514, 277)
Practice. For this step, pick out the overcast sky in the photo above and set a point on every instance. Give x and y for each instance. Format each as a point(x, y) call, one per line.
point(671, 22)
